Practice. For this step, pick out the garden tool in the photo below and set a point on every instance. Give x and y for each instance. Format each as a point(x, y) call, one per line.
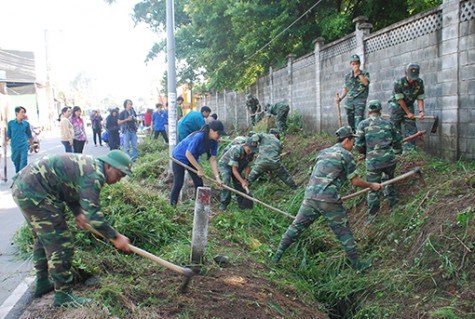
point(232, 189)
point(188, 273)
point(391, 181)
point(339, 110)
point(435, 124)
point(413, 136)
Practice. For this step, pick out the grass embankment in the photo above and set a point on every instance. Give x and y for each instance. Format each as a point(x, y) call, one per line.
point(423, 251)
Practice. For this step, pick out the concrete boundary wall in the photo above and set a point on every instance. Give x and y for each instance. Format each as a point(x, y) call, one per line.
point(441, 40)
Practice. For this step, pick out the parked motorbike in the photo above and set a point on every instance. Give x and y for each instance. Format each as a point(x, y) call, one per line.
point(35, 132)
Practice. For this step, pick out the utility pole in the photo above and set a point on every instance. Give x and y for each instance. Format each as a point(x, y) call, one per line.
point(171, 77)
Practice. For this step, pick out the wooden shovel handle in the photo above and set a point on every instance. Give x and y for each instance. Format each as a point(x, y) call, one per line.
point(180, 270)
point(394, 180)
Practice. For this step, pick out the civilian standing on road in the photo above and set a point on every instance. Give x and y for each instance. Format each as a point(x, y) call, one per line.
point(159, 120)
point(21, 140)
point(189, 152)
point(112, 127)
point(66, 129)
point(192, 122)
point(43, 190)
point(128, 125)
point(80, 136)
point(96, 123)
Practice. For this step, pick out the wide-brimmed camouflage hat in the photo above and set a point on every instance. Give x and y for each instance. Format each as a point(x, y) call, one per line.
point(119, 160)
point(252, 144)
point(374, 106)
point(344, 131)
point(355, 58)
point(412, 71)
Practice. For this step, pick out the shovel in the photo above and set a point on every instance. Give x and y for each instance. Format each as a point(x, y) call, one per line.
point(339, 110)
point(187, 272)
point(435, 124)
point(232, 189)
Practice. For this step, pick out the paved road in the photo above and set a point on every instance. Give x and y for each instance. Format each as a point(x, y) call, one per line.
point(14, 270)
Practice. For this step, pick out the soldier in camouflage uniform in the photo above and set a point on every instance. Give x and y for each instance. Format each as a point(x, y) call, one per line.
point(231, 165)
point(254, 108)
point(322, 196)
point(238, 140)
point(268, 158)
point(281, 111)
point(43, 189)
point(401, 105)
point(379, 141)
point(356, 90)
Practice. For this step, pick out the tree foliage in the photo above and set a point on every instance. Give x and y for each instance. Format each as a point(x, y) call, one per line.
point(229, 43)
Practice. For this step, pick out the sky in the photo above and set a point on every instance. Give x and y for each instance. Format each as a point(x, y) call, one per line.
point(88, 36)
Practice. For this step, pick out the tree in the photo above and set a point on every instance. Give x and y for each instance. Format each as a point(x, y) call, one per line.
point(230, 43)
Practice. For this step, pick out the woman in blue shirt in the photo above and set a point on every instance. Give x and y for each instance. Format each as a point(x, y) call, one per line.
point(189, 151)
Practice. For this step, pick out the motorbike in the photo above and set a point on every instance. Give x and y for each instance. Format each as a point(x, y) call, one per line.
point(35, 133)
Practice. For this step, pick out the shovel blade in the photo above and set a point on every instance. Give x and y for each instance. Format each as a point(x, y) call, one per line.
point(435, 125)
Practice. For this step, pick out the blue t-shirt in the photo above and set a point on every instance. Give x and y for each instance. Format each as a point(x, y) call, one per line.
point(159, 120)
point(192, 122)
point(195, 144)
point(18, 133)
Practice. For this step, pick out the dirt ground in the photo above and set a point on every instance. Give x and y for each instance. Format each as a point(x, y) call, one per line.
point(233, 291)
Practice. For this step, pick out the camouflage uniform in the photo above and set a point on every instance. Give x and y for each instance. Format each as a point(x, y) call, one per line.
point(235, 156)
point(281, 111)
point(252, 104)
point(334, 165)
point(268, 159)
point(379, 141)
point(403, 90)
point(42, 190)
point(239, 140)
point(356, 97)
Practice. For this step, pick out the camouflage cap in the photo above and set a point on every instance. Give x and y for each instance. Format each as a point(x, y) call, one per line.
point(344, 131)
point(252, 144)
point(274, 131)
point(412, 71)
point(374, 106)
point(119, 160)
point(251, 133)
point(355, 58)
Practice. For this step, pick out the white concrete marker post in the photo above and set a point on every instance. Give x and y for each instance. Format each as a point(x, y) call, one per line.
point(200, 225)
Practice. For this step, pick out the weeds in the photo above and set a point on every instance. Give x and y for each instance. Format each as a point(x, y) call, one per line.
point(422, 251)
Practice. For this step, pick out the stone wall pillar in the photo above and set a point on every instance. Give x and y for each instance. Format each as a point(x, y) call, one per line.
point(448, 80)
point(362, 29)
point(271, 84)
point(290, 61)
point(318, 43)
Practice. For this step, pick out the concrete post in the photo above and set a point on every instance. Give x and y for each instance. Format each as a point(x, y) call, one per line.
point(235, 111)
point(362, 29)
point(271, 85)
point(318, 43)
point(217, 104)
point(449, 102)
point(290, 62)
point(225, 107)
point(200, 225)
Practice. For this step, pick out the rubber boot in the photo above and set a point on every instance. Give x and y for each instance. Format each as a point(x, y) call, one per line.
point(43, 286)
point(360, 265)
point(278, 255)
point(68, 299)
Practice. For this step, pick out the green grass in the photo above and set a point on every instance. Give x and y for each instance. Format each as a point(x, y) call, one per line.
point(420, 251)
